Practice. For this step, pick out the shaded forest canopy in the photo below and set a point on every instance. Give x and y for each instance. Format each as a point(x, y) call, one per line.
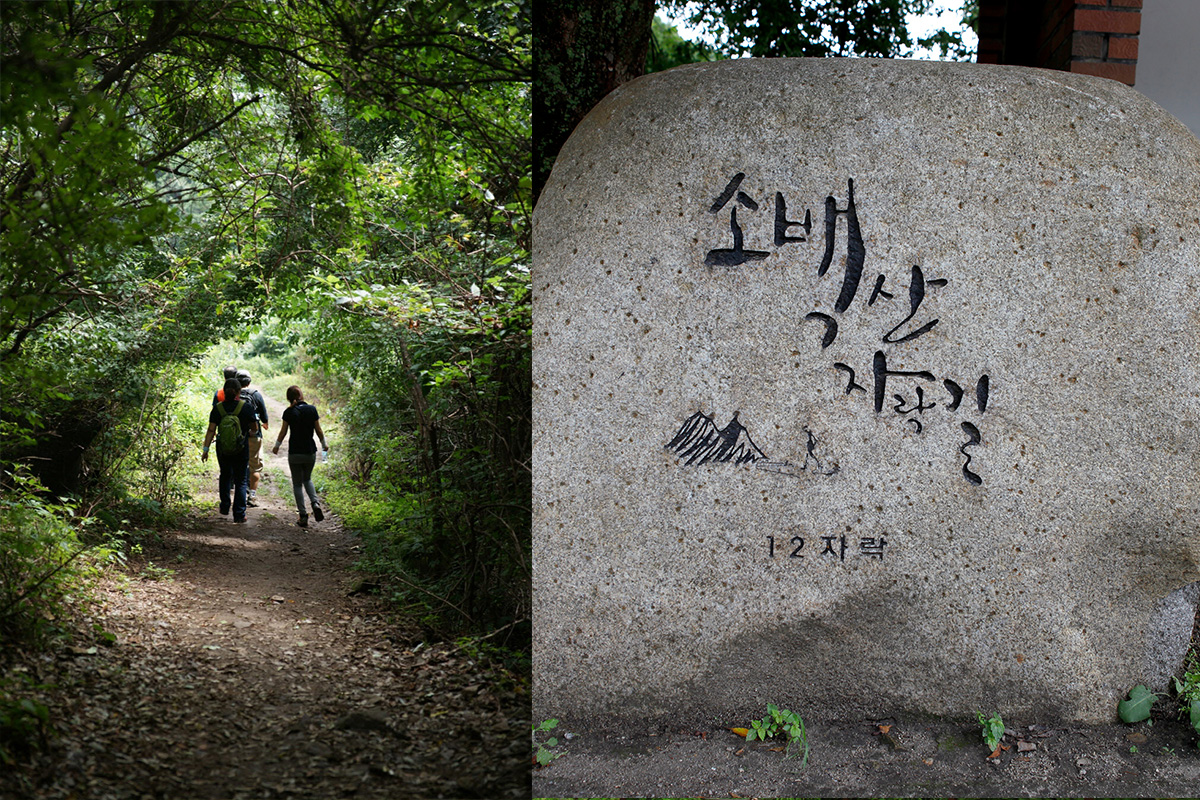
point(177, 174)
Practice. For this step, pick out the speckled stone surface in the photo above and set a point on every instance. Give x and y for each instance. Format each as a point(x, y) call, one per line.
point(865, 386)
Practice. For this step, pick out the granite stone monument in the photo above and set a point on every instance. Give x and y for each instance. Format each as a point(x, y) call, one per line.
point(866, 387)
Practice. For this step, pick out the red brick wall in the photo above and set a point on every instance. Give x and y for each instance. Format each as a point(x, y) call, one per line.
point(1093, 37)
point(991, 31)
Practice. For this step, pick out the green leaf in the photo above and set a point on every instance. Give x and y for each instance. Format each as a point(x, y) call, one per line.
point(547, 725)
point(993, 728)
point(1194, 715)
point(1137, 707)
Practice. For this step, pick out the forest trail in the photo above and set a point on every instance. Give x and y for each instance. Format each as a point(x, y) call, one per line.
point(252, 673)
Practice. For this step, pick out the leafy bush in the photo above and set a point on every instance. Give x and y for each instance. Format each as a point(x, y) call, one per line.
point(464, 576)
point(1188, 691)
point(140, 466)
point(160, 457)
point(432, 461)
point(24, 720)
point(40, 570)
point(374, 513)
point(271, 351)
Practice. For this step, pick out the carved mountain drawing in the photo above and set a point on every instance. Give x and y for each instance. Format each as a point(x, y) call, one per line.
point(699, 441)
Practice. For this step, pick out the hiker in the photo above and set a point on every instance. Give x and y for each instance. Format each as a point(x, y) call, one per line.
point(254, 471)
point(301, 419)
point(231, 422)
point(219, 395)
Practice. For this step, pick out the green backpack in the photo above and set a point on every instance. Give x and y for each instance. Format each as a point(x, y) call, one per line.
point(230, 439)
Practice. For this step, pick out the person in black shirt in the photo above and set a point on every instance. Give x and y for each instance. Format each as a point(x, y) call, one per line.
point(302, 420)
point(233, 465)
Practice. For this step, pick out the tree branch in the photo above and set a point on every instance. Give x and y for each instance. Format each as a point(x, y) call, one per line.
point(146, 162)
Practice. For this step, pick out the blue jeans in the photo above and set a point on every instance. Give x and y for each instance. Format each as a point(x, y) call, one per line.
point(233, 472)
point(302, 465)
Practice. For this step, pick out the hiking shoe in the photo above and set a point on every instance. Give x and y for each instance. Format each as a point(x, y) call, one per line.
point(251, 504)
point(318, 513)
point(303, 521)
point(239, 519)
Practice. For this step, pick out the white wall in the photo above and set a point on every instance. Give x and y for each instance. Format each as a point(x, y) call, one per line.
point(1168, 67)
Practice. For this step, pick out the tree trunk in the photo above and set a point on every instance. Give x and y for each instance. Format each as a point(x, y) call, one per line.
point(429, 438)
point(584, 50)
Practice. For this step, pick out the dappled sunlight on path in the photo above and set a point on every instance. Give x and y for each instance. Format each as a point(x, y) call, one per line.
point(252, 672)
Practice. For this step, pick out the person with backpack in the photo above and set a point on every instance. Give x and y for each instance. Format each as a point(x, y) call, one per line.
point(232, 422)
point(219, 394)
point(254, 471)
point(302, 420)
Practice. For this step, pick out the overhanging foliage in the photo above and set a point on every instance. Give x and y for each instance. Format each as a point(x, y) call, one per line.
point(171, 174)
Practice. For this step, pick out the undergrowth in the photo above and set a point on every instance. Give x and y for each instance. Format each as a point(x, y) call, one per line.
point(448, 575)
point(448, 551)
point(24, 719)
point(1188, 692)
point(48, 570)
point(47, 565)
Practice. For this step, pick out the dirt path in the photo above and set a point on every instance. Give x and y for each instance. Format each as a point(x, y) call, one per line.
point(250, 673)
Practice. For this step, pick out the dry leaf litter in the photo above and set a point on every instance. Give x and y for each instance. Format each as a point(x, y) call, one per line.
point(254, 672)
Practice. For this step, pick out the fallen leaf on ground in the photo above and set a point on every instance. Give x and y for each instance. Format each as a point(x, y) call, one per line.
point(740, 731)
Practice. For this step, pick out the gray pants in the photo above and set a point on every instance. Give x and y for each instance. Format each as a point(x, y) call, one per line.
point(302, 465)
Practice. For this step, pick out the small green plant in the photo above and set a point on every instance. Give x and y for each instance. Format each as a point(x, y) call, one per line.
point(786, 723)
point(543, 755)
point(153, 572)
point(1189, 687)
point(993, 729)
point(1188, 692)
